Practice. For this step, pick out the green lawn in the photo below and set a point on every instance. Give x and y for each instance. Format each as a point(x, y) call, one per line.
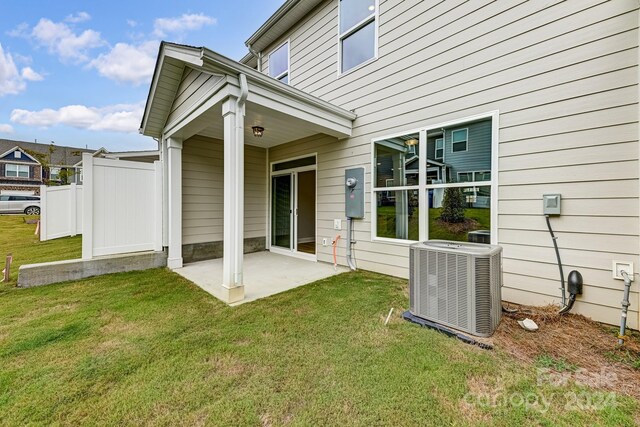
point(386, 223)
point(150, 348)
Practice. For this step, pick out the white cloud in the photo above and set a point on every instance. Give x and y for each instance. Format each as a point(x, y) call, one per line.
point(60, 39)
point(11, 82)
point(78, 17)
point(114, 118)
point(128, 63)
point(186, 22)
point(28, 74)
point(132, 23)
point(4, 128)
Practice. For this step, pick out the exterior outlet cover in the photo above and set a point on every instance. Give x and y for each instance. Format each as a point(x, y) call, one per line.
point(337, 224)
point(551, 204)
point(619, 266)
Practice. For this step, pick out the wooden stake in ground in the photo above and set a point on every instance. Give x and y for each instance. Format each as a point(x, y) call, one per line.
point(7, 268)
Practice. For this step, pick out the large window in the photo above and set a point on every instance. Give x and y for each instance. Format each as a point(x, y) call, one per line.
point(18, 171)
point(279, 63)
point(426, 186)
point(358, 32)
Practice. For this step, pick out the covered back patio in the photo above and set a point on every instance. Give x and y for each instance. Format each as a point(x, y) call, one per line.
point(203, 107)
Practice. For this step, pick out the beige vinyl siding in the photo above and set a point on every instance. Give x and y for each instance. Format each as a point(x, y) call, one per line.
point(193, 86)
point(203, 191)
point(564, 78)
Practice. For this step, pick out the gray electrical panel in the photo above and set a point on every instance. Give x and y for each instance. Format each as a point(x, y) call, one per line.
point(354, 192)
point(551, 204)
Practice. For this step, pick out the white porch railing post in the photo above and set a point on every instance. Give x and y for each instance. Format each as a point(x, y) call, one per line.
point(87, 208)
point(174, 168)
point(233, 244)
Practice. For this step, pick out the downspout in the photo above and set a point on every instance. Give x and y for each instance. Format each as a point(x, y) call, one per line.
point(258, 56)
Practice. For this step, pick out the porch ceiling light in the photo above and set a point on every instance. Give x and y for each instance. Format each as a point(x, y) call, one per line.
point(258, 131)
point(411, 142)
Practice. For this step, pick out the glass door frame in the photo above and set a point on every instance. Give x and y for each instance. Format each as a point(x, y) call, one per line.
point(293, 172)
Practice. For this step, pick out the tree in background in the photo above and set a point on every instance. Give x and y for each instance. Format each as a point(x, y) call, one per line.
point(453, 205)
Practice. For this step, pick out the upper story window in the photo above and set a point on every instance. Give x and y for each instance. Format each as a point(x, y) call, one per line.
point(358, 32)
point(54, 174)
point(439, 148)
point(459, 140)
point(17, 154)
point(279, 63)
point(18, 171)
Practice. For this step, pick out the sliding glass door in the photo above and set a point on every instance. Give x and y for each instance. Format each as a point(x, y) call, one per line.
point(281, 211)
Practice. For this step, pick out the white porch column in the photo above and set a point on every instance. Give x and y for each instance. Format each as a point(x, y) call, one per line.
point(233, 245)
point(164, 154)
point(174, 168)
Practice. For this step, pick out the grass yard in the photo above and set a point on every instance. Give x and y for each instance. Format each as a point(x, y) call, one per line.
point(18, 238)
point(149, 347)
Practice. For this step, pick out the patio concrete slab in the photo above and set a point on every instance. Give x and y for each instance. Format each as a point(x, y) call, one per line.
point(265, 274)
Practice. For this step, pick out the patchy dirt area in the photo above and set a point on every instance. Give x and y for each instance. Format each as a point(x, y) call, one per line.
point(573, 343)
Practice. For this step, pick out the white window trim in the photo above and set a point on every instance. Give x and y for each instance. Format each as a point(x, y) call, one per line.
point(18, 166)
point(423, 187)
point(17, 154)
point(435, 154)
point(473, 175)
point(466, 141)
point(375, 16)
point(288, 71)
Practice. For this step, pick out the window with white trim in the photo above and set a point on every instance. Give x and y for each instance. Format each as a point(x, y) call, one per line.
point(439, 149)
point(54, 174)
point(459, 140)
point(455, 194)
point(358, 32)
point(279, 63)
point(16, 171)
point(17, 154)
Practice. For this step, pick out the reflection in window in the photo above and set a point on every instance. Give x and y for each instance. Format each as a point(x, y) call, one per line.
point(279, 63)
point(397, 161)
point(454, 156)
point(397, 215)
point(459, 140)
point(357, 32)
point(455, 212)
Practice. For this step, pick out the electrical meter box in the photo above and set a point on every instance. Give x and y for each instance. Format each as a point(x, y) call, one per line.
point(354, 192)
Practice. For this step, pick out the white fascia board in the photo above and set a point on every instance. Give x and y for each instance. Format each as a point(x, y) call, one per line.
point(186, 54)
point(18, 148)
point(253, 76)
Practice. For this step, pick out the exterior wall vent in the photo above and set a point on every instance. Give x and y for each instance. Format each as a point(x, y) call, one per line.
point(457, 284)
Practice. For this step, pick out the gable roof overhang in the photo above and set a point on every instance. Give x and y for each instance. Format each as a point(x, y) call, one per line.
point(267, 97)
point(287, 15)
point(18, 148)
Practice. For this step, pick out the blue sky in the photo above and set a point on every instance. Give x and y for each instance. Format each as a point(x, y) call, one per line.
point(77, 72)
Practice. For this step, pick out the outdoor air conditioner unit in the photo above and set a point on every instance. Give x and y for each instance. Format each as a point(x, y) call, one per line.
point(457, 284)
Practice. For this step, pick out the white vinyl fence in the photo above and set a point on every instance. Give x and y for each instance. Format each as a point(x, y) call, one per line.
point(122, 206)
point(60, 211)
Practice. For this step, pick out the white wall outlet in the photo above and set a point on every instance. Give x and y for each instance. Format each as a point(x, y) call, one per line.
point(619, 266)
point(325, 241)
point(337, 224)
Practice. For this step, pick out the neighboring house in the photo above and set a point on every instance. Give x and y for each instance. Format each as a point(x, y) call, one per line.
point(19, 172)
point(518, 99)
point(49, 164)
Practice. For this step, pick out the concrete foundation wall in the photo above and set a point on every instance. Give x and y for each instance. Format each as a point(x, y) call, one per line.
point(212, 250)
point(61, 271)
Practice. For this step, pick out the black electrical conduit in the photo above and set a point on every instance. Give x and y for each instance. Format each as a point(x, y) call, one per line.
point(575, 278)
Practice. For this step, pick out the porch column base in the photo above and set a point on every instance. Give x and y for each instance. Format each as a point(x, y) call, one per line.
point(173, 263)
point(232, 295)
